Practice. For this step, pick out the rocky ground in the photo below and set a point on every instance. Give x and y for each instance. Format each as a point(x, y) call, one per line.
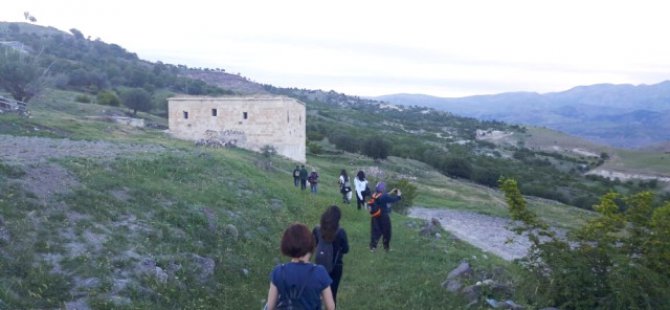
point(491, 234)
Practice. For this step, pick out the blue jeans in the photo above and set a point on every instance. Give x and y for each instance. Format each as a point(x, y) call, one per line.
point(313, 187)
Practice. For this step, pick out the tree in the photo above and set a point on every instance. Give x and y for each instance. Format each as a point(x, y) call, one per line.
point(108, 98)
point(137, 99)
point(376, 147)
point(21, 75)
point(617, 260)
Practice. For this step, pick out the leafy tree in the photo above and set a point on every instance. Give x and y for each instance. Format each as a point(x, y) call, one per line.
point(408, 191)
point(21, 75)
point(376, 147)
point(108, 98)
point(616, 261)
point(137, 99)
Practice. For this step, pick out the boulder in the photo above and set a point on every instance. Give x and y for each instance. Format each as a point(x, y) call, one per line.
point(462, 270)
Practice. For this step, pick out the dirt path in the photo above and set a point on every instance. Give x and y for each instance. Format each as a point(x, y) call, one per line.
point(31, 150)
point(485, 232)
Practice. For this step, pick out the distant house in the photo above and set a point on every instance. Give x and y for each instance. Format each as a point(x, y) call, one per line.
point(250, 122)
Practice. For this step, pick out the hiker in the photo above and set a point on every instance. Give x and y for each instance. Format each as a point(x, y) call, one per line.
point(303, 177)
point(313, 180)
point(362, 190)
point(345, 186)
point(380, 225)
point(296, 176)
point(330, 234)
point(299, 283)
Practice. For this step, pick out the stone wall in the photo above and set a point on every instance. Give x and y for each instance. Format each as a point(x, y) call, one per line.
point(256, 121)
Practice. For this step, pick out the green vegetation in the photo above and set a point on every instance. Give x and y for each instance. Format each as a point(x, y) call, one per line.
point(185, 207)
point(616, 261)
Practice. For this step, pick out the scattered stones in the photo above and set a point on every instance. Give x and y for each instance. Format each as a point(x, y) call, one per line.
point(204, 267)
point(231, 232)
point(212, 219)
point(276, 204)
point(462, 270)
point(431, 228)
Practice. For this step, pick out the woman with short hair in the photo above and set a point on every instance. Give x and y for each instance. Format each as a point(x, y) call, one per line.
point(299, 282)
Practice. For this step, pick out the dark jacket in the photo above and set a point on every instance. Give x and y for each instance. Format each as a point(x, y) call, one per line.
point(340, 244)
point(303, 174)
point(384, 201)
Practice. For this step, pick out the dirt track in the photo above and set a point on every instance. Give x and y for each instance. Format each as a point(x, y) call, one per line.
point(485, 232)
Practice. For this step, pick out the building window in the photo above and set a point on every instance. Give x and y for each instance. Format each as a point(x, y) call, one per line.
point(245, 115)
point(213, 112)
point(185, 115)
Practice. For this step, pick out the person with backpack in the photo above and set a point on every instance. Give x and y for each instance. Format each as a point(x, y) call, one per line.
point(299, 284)
point(331, 245)
point(345, 186)
point(296, 176)
point(380, 221)
point(303, 177)
point(313, 180)
point(361, 187)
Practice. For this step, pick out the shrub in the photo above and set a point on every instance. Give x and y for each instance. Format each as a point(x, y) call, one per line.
point(616, 261)
point(408, 191)
point(82, 99)
point(108, 98)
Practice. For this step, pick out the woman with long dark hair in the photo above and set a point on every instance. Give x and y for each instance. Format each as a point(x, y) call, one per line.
point(361, 186)
point(330, 232)
point(345, 186)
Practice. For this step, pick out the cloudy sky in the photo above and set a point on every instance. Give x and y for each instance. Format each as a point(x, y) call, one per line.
point(368, 48)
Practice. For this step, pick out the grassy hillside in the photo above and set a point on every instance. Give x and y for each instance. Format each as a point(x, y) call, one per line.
point(186, 227)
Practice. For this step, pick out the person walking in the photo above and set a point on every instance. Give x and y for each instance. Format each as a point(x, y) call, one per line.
point(380, 223)
point(299, 283)
point(296, 176)
point(361, 187)
point(303, 177)
point(345, 186)
point(329, 232)
point(313, 180)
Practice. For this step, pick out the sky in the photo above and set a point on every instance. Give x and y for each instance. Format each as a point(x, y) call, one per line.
point(371, 48)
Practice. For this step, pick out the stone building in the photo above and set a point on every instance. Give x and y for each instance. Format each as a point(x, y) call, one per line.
point(249, 122)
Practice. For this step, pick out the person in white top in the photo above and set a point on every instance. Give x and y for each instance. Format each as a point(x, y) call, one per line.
point(345, 187)
point(361, 186)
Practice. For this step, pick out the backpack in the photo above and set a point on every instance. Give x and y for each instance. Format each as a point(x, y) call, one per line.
point(325, 252)
point(291, 301)
point(375, 208)
point(312, 177)
point(296, 173)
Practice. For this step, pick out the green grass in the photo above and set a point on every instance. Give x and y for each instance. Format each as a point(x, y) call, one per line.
point(170, 207)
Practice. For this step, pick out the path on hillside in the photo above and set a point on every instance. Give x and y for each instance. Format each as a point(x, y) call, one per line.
point(486, 232)
point(30, 150)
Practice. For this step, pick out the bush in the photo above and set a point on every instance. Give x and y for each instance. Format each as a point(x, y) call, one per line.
point(408, 191)
point(616, 261)
point(82, 99)
point(108, 98)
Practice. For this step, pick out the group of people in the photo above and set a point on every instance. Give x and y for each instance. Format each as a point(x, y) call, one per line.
point(300, 283)
point(301, 177)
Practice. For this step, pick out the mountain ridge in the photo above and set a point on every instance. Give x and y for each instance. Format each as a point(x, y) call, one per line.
point(593, 112)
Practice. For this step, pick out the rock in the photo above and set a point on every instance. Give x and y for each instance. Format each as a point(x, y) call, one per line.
point(79, 304)
point(462, 270)
point(204, 266)
point(276, 204)
point(231, 231)
point(514, 305)
point(452, 285)
point(438, 236)
point(245, 272)
point(472, 292)
point(432, 227)
point(161, 275)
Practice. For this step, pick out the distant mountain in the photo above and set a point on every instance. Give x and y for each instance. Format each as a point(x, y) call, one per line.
point(618, 115)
